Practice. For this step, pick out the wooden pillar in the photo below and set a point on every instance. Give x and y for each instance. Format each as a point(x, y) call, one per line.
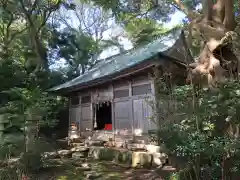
point(113, 109)
point(69, 115)
point(131, 110)
point(93, 110)
point(79, 114)
point(157, 95)
point(2, 122)
point(113, 114)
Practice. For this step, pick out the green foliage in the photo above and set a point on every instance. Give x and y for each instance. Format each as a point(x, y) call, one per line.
point(106, 4)
point(207, 133)
point(23, 103)
point(22, 88)
point(142, 30)
point(148, 7)
point(141, 19)
point(174, 176)
point(78, 48)
point(12, 173)
point(32, 161)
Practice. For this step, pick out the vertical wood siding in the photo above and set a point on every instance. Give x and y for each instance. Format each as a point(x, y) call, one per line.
point(122, 115)
point(130, 110)
point(74, 115)
point(142, 115)
point(86, 117)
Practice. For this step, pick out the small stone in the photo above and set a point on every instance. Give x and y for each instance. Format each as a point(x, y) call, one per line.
point(159, 159)
point(153, 148)
point(75, 145)
point(96, 143)
point(136, 146)
point(119, 144)
point(124, 157)
point(65, 153)
point(78, 155)
point(102, 153)
point(91, 175)
point(142, 159)
point(164, 158)
point(77, 163)
point(94, 152)
point(85, 165)
point(83, 168)
point(50, 155)
point(80, 149)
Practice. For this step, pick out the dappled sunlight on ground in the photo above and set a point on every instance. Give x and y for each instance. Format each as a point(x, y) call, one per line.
point(67, 169)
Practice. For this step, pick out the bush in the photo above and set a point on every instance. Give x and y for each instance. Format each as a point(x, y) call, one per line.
point(207, 132)
point(31, 161)
point(12, 173)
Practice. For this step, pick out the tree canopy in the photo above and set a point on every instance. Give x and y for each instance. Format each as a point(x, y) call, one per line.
point(36, 36)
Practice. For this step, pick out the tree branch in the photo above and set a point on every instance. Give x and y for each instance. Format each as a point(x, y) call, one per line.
point(26, 13)
point(15, 34)
point(45, 18)
point(181, 6)
point(178, 8)
point(140, 14)
point(9, 24)
point(190, 14)
point(4, 5)
point(34, 5)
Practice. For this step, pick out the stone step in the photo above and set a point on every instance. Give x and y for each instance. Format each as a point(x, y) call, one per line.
point(79, 155)
point(80, 149)
point(132, 158)
point(75, 145)
point(77, 140)
point(136, 146)
point(95, 142)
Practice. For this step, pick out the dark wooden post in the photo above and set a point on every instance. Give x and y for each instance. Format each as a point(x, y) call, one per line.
point(156, 84)
point(2, 123)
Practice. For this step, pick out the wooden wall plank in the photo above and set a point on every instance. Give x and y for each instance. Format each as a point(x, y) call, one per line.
point(147, 123)
point(142, 113)
point(86, 117)
point(86, 112)
point(122, 115)
point(138, 111)
point(75, 115)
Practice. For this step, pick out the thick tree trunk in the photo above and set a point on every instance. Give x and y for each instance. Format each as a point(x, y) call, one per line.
point(215, 28)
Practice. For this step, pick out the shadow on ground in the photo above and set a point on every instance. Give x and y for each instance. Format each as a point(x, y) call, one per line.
point(68, 169)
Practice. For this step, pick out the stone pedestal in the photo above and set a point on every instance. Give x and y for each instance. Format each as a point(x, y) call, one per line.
point(141, 159)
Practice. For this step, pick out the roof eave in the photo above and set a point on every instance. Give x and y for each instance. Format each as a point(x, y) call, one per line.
point(109, 78)
point(115, 74)
point(118, 75)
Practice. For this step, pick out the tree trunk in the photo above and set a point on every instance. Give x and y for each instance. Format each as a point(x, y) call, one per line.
point(215, 27)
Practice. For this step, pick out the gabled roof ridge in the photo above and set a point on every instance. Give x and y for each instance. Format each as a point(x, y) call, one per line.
point(135, 48)
point(131, 57)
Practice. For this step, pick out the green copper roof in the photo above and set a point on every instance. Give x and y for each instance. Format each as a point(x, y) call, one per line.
point(128, 59)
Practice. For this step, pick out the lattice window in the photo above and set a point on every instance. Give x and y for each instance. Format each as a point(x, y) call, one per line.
point(121, 93)
point(75, 100)
point(86, 99)
point(141, 89)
